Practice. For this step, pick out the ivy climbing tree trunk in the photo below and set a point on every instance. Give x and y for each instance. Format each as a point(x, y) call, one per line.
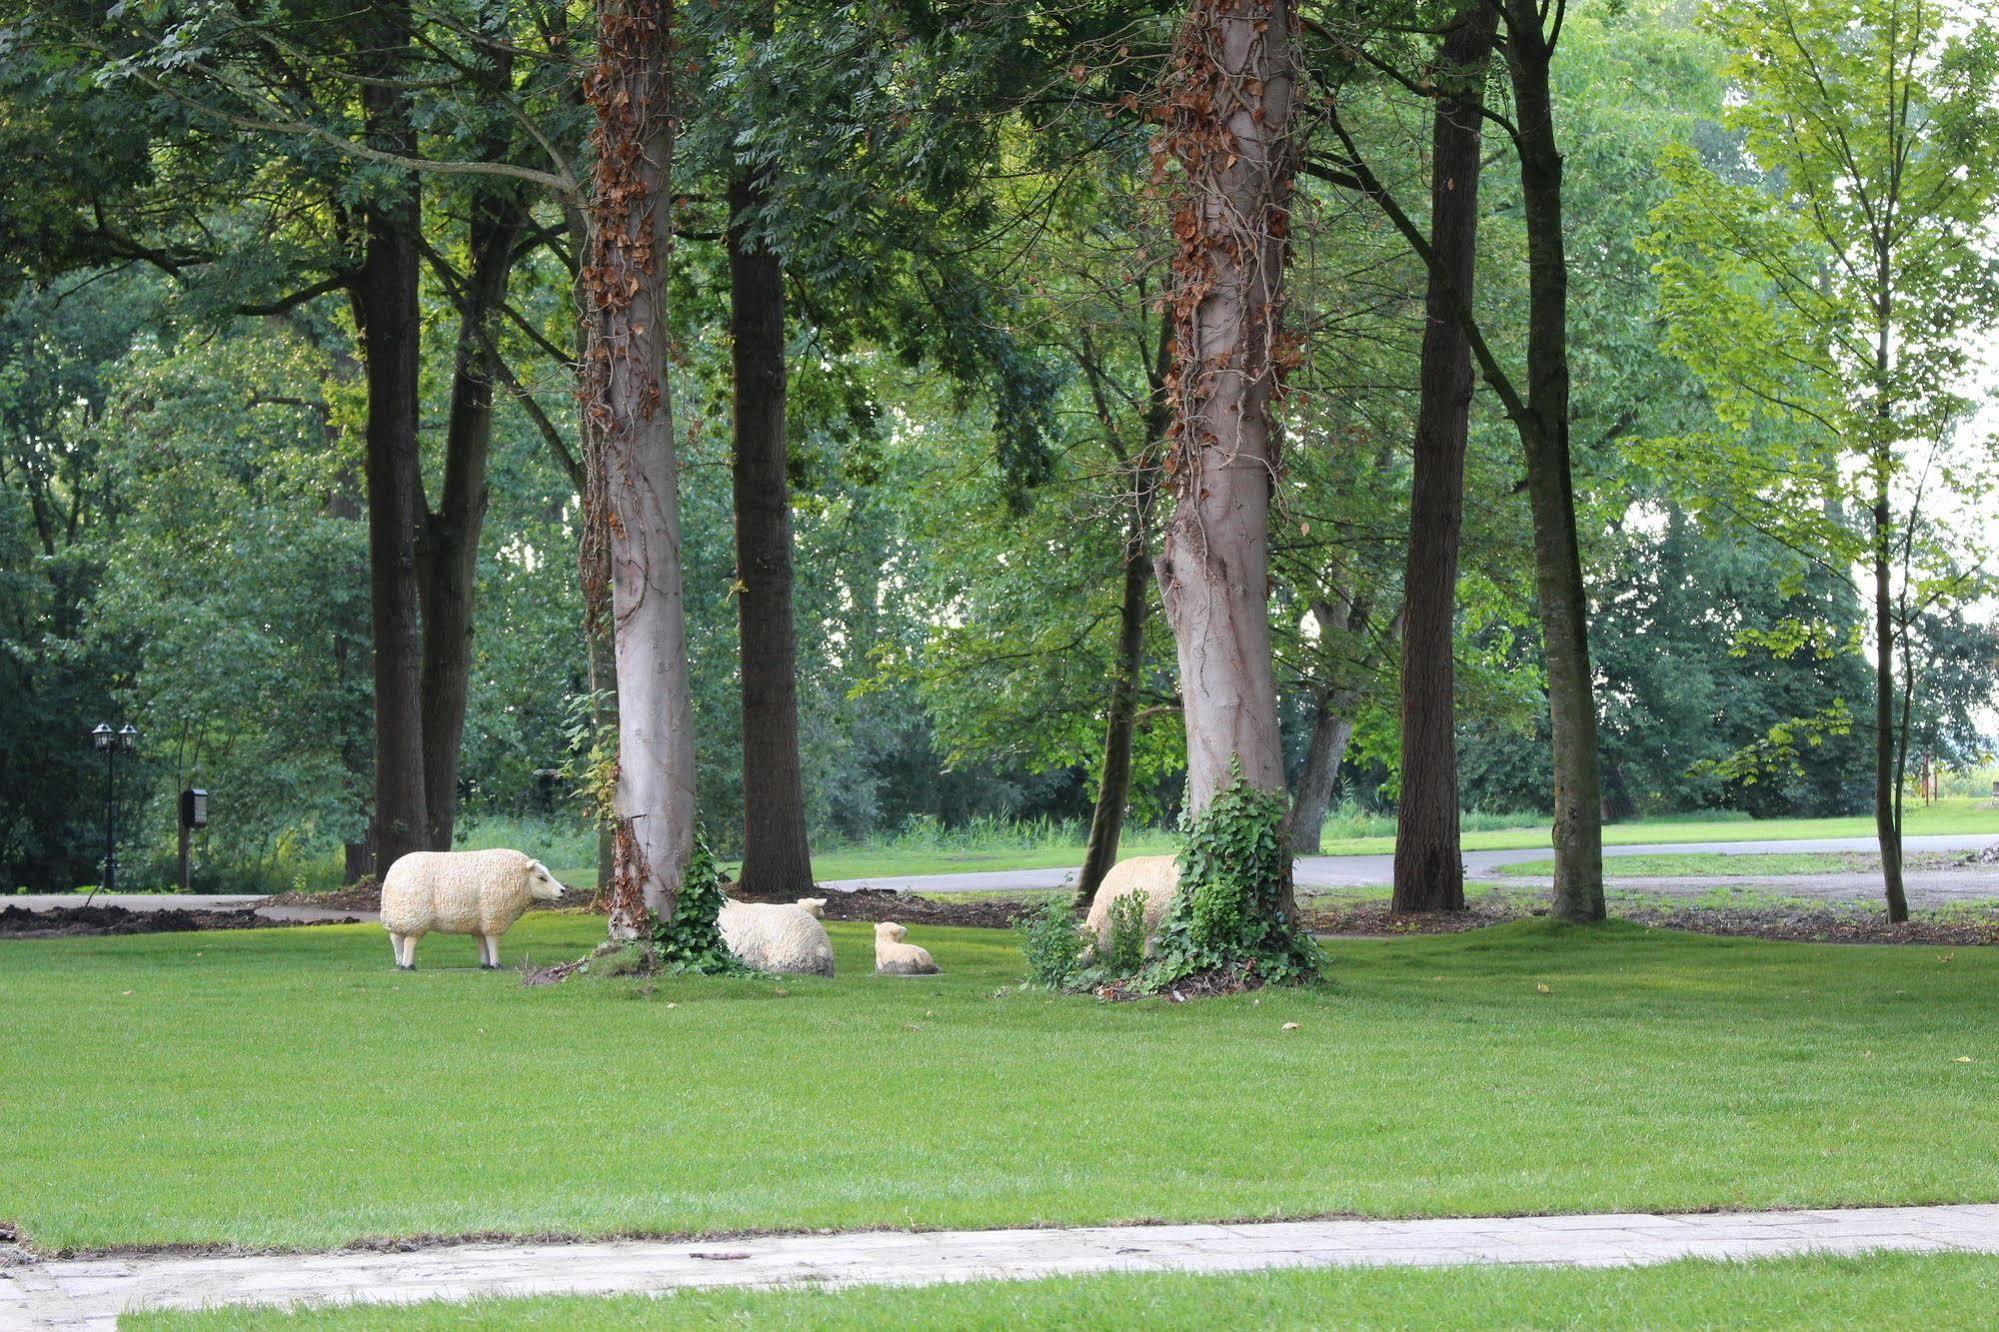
point(384, 297)
point(776, 862)
point(1544, 436)
point(1227, 121)
point(1429, 867)
point(631, 501)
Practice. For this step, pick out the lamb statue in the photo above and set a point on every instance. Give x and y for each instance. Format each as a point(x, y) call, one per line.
point(1158, 877)
point(893, 957)
point(777, 936)
point(461, 892)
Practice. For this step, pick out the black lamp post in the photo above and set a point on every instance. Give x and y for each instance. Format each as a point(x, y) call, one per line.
point(112, 743)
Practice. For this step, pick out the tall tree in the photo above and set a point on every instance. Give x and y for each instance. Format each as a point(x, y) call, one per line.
point(1831, 306)
point(1228, 121)
point(776, 861)
point(1538, 408)
point(386, 313)
point(1429, 870)
point(632, 495)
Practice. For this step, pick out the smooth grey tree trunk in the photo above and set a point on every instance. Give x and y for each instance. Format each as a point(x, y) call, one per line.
point(633, 499)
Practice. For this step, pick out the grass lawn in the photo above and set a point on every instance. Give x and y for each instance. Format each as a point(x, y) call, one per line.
point(1884, 1290)
point(289, 1088)
point(1715, 865)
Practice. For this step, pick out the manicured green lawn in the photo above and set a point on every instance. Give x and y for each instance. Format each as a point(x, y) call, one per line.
point(1714, 865)
point(288, 1088)
point(1879, 1291)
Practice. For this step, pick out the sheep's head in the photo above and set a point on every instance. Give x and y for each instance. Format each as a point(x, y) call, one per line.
point(815, 905)
point(542, 886)
point(890, 931)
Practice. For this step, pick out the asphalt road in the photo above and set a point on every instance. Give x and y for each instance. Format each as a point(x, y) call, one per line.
point(1320, 872)
point(1363, 871)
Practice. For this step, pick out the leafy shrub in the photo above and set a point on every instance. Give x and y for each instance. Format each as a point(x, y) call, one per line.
point(1125, 954)
point(1235, 875)
point(1053, 938)
point(690, 940)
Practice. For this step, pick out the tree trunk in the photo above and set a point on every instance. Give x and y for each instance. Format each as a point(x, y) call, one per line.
point(632, 502)
point(1114, 787)
point(776, 863)
point(1228, 120)
point(1332, 728)
point(1429, 867)
point(385, 306)
point(1887, 827)
point(1544, 434)
point(451, 535)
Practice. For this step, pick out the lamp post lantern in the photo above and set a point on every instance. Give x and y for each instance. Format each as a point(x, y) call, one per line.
point(112, 744)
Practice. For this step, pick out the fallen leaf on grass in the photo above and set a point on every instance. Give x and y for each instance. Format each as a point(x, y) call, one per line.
point(1543, 989)
point(1963, 1059)
point(1290, 1026)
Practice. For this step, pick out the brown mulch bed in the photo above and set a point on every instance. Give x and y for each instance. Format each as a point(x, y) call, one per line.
point(1819, 925)
point(73, 922)
point(907, 908)
point(363, 896)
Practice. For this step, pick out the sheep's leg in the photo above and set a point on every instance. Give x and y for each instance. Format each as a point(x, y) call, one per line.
point(396, 946)
point(406, 952)
point(489, 952)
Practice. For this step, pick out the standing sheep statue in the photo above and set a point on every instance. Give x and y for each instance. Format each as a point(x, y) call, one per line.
point(893, 957)
point(461, 892)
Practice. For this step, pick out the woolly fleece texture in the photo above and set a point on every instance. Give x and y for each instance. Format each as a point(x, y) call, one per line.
point(893, 957)
point(1158, 877)
point(816, 905)
point(461, 892)
point(776, 936)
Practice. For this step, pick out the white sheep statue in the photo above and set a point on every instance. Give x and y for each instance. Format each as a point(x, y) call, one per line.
point(776, 936)
point(1158, 877)
point(461, 892)
point(893, 957)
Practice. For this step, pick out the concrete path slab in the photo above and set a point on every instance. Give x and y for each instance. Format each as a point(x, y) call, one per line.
point(91, 1293)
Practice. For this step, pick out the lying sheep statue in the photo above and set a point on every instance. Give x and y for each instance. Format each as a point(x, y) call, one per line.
point(1158, 877)
point(461, 892)
point(893, 957)
point(777, 936)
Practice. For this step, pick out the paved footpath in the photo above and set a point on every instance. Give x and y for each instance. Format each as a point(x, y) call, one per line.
point(90, 1293)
